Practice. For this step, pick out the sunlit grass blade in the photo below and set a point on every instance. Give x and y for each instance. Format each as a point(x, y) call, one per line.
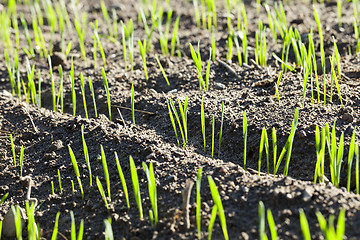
point(217, 201)
point(136, 187)
point(122, 179)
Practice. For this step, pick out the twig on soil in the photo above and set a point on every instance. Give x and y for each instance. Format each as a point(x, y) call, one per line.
point(186, 201)
point(227, 66)
point(28, 194)
point(136, 110)
point(122, 119)
point(257, 66)
point(31, 120)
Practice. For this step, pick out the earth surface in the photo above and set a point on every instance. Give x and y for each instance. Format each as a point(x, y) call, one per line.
point(45, 135)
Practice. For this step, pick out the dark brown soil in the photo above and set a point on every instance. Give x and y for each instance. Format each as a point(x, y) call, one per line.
point(45, 134)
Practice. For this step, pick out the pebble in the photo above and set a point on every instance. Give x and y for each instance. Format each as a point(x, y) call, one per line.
point(302, 134)
point(220, 86)
point(245, 236)
point(347, 117)
point(307, 195)
point(172, 91)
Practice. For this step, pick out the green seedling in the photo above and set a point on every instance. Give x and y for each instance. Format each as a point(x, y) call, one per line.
point(213, 135)
point(304, 225)
point(260, 45)
point(4, 198)
point(338, 4)
point(72, 82)
point(221, 125)
point(72, 187)
point(335, 153)
point(272, 225)
point(86, 153)
point(31, 83)
point(93, 96)
point(350, 159)
point(56, 227)
point(109, 235)
point(245, 132)
point(337, 58)
point(218, 203)
point(230, 45)
point(212, 221)
point(81, 32)
point(123, 41)
point(106, 17)
point(21, 159)
point(174, 37)
point(142, 48)
point(149, 171)
point(357, 168)
point(122, 179)
point(102, 192)
point(183, 113)
point(132, 103)
point(106, 85)
point(52, 85)
point(264, 143)
point(31, 226)
point(329, 230)
point(68, 49)
point(162, 69)
point(261, 212)
point(334, 78)
point(76, 169)
point(198, 203)
point(244, 46)
point(39, 89)
point(173, 121)
point(31, 51)
point(136, 187)
point(238, 52)
point(197, 61)
point(288, 146)
point(131, 50)
point(213, 45)
point(18, 220)
point(99, 44)
point(320, 140)
point(82, 87)
point(52, 188)
point(202, 116)
point(59, 179)
point(277, 86)
point(13, 149)
point(60, 97)
point(197, 14)
point(106, 171)
point(73, 228)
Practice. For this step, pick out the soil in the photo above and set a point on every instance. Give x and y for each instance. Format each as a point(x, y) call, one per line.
point(45, 134)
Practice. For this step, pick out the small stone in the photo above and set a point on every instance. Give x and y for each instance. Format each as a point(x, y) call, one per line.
point(220, 86)
point(245, 236)
point(307, 194)
point(347, 117)
point(172, 91)
point(302, 134)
